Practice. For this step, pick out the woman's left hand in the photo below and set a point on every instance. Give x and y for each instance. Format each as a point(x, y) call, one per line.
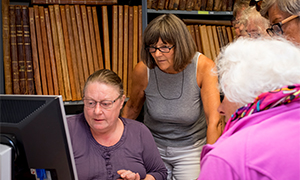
point(128, 175)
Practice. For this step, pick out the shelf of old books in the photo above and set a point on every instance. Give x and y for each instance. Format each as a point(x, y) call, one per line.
point(189, 12)
point(51, 49)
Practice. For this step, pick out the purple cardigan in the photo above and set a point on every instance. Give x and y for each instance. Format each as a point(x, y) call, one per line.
point(136, 151)
point(265, 145)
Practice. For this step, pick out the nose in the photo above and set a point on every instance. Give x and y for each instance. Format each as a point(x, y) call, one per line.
point(98, 108)
point(157, 53)
point(221, 110)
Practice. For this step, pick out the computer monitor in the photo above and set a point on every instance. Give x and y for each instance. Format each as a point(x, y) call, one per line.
point(35, 127)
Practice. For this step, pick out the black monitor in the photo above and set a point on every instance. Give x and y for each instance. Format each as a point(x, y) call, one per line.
point(35, 127)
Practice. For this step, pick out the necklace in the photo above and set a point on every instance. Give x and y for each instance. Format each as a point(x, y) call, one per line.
point(161, 93)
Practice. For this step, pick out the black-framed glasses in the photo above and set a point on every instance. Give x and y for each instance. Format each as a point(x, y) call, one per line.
point(163, 49)
point(276, 29)
point(105, 104)
point(256, 3)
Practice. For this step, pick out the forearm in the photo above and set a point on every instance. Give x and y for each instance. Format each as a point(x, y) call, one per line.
point(213, 133)
point(130, 111)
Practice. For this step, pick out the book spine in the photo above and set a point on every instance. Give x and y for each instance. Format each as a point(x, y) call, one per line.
point(63, 58)
point(189, 5)
point(216, 40)
point(161, 4)
point(77, 49)
point(224, 5)
point(182, 4)
point(57, 52)
point(209, 5)
point(114, 47)
point(211, 43)
point(125, 51)
point(203, 5)
point(82, 42)
point(220, 36)
point(20, 47)
point(14, 51)
point(40, 50)
point(6, 48)
point(175, 5)
point(120, 42)
point(130, 48)
point(86, 2)
point(154, 4)
point(217, 5)
point(87, 39)
point(198, 39)
point(205, 42)
point(106, 37)
point(68, 52)
point(27, 50)
point(229, 6)
point(52, 66)
point(73, 55)
point(35, 60)
point(46, 51)
point(98, 39)
point(197, 5)
point(135, 36)
point(92, 35)
point(226, 41)
point(149, 4)
point(140, 30)
point(229, 34)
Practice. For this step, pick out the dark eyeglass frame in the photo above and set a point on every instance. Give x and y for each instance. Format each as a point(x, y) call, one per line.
point(256, 3)
point(159, 48)
point(271, 31)
point(100, 102)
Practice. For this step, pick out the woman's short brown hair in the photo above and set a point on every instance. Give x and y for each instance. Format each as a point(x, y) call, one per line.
point(172, 30)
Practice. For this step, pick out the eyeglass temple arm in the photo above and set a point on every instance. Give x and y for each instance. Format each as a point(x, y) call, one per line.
point(289, 18)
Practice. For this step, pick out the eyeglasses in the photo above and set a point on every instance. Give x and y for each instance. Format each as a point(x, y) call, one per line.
point(163, 49)
point(253, 34)
point(256, 3)
point(276, 30)
point(106, 104)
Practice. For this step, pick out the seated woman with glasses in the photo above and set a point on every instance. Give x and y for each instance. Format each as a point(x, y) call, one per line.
point(181, 95)
point(284, 18)
point(107, 146)
point(261, 140)
point(254, 24)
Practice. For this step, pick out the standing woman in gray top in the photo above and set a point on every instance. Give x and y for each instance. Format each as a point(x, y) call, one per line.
point(181, 95)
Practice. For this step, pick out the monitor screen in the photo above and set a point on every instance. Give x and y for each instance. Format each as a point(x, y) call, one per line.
point(35, 127)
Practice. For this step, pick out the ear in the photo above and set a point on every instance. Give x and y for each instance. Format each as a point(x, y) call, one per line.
point(122, 101)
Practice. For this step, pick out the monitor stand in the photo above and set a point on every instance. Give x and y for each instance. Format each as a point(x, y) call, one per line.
point(5, 162)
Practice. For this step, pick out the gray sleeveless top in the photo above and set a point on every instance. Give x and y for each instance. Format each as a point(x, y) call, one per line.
point(174, 111)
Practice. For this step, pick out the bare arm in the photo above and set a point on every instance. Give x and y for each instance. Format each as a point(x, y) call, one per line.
point(136, 100)
point(210, 96)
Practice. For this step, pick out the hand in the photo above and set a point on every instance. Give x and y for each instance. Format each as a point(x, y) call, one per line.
point(128, 175)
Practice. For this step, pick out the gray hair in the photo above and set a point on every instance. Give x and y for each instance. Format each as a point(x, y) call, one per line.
point(290, 6)
point(249, 67)
point(238, 5)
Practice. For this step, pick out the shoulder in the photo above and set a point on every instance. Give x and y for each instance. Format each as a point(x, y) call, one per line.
point(76, 123)
point(135, 125)
point(204, 63)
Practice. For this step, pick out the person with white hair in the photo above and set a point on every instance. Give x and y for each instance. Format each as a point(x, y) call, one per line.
point(261, 140)
point(284, 18)
point(254, 24)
